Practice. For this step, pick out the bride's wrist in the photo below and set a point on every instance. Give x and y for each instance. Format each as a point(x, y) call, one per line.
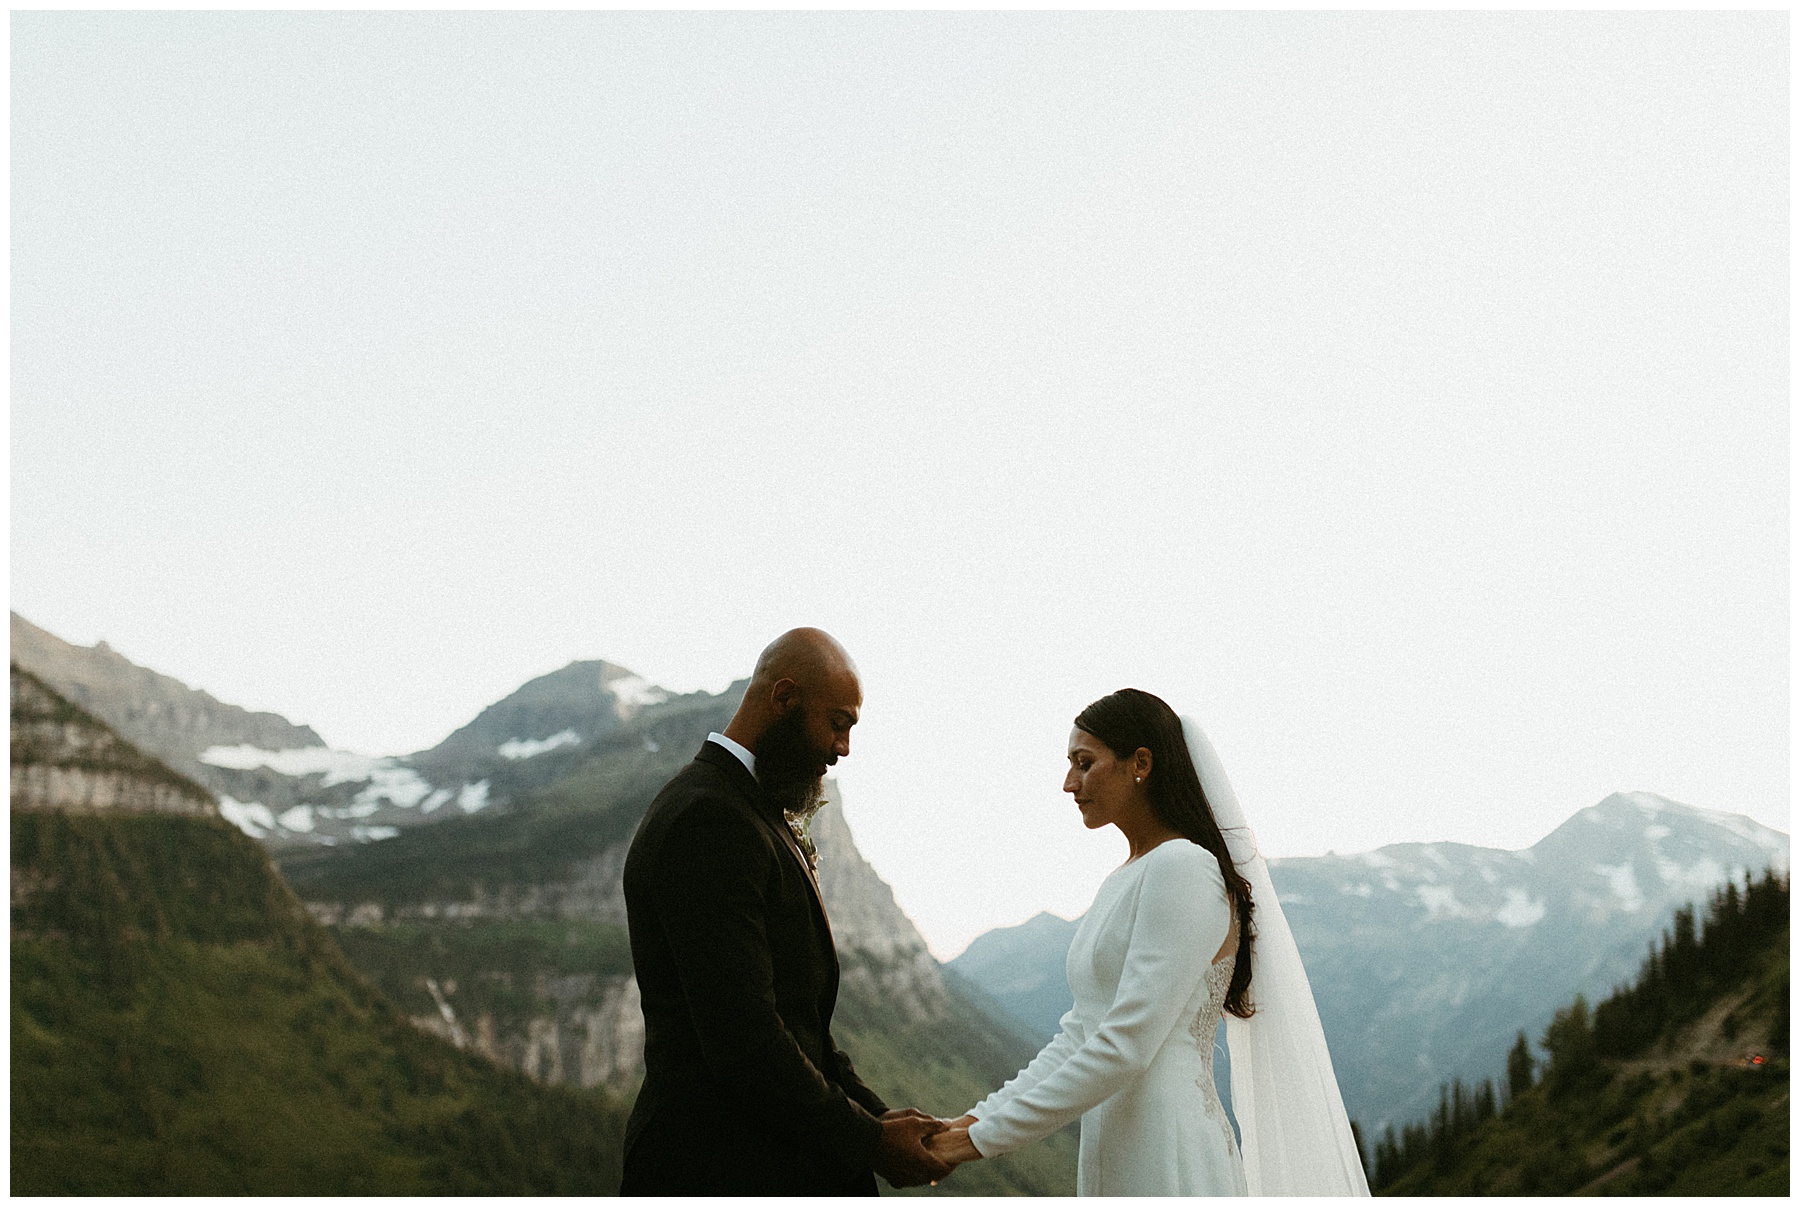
point(962, 1148)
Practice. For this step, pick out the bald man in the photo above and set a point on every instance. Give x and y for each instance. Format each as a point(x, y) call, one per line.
point(744, 1091)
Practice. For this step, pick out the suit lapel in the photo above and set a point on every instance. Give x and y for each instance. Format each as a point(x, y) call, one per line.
point(793, 844)
point(740, 775)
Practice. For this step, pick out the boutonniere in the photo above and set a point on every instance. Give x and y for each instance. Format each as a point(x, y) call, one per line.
point(800, 823)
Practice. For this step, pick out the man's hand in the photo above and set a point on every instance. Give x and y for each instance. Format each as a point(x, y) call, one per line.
point(900, 1154)
point(909, 1112)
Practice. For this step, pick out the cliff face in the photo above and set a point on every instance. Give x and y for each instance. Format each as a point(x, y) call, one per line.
point(882, 954)
point(591, 1036)
point(585, 1028)
point(65, 758)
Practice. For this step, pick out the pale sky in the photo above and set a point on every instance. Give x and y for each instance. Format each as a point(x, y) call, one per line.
point(1403, 394)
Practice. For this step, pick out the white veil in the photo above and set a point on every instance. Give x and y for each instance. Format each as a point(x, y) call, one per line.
point(1296, 1135)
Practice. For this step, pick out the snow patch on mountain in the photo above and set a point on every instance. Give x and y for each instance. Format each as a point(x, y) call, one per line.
point(389, 780)
point(338, 766)
point(1520, 910)
point(473, 797)
point(252, 817)
point(299, 819)
point(526, 748)
point(396, 784)
point(1439, 901)
point(634, 692)
point(1622, 880)
point(255, 819)
point(1703, 873)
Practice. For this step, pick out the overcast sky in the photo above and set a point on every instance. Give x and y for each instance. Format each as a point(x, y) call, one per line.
point(1403, 394)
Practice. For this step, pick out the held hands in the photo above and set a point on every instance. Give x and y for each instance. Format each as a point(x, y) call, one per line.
point(952, 1145)
point(901, 1155)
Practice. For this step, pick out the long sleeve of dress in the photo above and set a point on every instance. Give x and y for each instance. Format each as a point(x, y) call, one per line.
point(1050, 1058)
point(1177, 922)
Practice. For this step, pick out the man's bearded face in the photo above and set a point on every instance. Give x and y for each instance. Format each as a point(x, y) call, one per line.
point(789, 767)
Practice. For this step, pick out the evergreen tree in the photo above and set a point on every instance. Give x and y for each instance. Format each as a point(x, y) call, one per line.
point(1486, 1106)
point(1569, 1039)
point(1519, 1066)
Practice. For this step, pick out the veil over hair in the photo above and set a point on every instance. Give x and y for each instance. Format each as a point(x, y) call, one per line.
point(1296, 1134)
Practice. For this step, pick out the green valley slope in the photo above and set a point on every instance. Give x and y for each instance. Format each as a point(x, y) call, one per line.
point(181, 1026)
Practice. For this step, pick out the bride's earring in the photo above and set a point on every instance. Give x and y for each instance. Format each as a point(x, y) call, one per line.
point(1140, 779)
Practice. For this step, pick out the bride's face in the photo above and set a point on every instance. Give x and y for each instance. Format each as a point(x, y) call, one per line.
point(1099, 780)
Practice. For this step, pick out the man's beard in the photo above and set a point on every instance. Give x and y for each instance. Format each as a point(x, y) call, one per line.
point(788, 767)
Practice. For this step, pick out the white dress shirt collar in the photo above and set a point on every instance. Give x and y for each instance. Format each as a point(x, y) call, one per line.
point(744, 756)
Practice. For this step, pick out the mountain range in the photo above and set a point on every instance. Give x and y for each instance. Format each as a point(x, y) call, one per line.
point(500, 927)
point(281, 784)
point(477, 884)
point(1427, 958)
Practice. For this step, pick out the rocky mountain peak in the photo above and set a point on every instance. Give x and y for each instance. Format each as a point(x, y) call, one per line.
point(152, 711)
point(584, 700)
point(1637, 847)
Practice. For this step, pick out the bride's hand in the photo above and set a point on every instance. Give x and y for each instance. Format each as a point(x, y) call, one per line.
point(953, 1146)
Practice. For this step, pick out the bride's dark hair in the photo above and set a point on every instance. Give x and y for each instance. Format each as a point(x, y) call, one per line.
point(1130, 719)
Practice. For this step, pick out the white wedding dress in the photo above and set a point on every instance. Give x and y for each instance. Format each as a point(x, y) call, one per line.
point(1134, 1058)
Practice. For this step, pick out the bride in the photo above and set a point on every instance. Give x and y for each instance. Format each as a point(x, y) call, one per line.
point(1186, 931)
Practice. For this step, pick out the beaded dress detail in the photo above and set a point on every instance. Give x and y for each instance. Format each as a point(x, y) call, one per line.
point(1204, 1029)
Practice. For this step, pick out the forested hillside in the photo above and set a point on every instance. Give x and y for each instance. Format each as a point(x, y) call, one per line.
point(1677, 1084)
point(181, 1026)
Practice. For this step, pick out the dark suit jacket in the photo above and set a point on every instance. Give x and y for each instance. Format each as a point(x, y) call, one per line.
point(744, 1091)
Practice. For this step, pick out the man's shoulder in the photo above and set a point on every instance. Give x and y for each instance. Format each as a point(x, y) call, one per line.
point(700, 820)
point(702, 778)
point(702, 794)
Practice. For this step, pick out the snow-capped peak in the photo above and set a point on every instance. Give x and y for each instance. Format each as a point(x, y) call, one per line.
point(634, 692)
